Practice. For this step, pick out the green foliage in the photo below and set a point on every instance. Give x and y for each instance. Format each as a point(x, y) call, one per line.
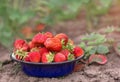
point(54, 11)
point(14, 14)
point(13, 18)
point(94, 44)
point(101, 49)
point(94, 9)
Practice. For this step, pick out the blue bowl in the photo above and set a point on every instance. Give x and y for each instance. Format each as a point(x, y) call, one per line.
point(47, 69)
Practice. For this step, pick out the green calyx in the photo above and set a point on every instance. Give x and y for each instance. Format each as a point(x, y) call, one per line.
point(21, 54)
point(68, 46)
point(71, 57)
point(50, 57)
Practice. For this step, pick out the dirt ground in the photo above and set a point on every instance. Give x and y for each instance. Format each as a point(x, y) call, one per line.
point(110, 72)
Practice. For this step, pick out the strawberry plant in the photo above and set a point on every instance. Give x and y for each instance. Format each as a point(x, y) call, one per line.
point(94, 43)
point(15, 14)
point(13, 17)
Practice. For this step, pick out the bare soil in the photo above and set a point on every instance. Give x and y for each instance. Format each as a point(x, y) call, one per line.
point(110, 72)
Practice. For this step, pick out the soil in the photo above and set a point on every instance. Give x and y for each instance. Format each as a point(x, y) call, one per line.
point(110, 72)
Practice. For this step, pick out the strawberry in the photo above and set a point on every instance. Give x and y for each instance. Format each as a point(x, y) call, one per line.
point(37, 49)
point(48, 35)
point(40, 27)
point(63, 37)
point(34, 56)
point(59, 57)
point(18, 44)
point(39, 38)
point(53, 44)
point(67, 54)
point(78, 51)
point(20, 54)
point(21, 44)
point(25, 47)
point(43, 50)
point(47, 57)
point(27, 58)
point(31, 45)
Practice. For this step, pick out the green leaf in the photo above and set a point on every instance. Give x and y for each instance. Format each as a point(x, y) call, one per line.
point(101, 49)
point(25, 17)
point(82, 45)
point(14, 15)
point(93, 51)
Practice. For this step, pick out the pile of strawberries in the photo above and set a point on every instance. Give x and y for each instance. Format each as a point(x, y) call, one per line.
point(46, 48)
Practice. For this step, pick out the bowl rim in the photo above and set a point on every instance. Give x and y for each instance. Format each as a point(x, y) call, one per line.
point(12, 56)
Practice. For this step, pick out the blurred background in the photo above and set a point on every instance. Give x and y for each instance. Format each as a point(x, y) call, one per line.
point(24, 18)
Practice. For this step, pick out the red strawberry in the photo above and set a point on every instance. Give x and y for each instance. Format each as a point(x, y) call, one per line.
point(18, 44)
point(53, 44)
point(59, 57)
point(63, 37)
point(31, 44)
point(78, 51)
point(47, 57)
point(65, 52)
point(39, 38)
point(27, 58)
point(21, 44)
point(48, 35)
point(40, 27)
point(43, 50)
point(25, 47)
point(34, 56)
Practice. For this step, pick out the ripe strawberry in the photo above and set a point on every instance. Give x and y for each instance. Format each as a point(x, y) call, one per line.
point(43, 50)
point(47, 57)
point(40, 27)
point(78, 51)
point(18, 44)
point(21, 44)
point(67, 54)
point(59, 57)
point(34, 56)
point(27, 58)
point(53, 44)
point(25, 47)
point(39, 38)
point(31, 45)
point(48, 35)
point(63, 37)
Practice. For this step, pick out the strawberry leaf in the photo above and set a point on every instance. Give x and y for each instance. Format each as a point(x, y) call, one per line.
point(101, 49)
point(100, 59)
